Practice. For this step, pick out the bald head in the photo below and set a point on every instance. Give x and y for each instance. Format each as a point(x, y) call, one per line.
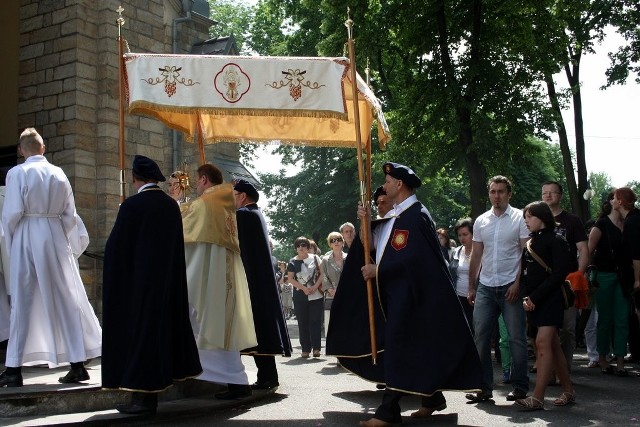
point(31, 143)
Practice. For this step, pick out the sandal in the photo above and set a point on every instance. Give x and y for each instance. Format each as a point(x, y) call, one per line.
point(305, 355)
point(565, 398)
point(316, 353)
point(530, 404)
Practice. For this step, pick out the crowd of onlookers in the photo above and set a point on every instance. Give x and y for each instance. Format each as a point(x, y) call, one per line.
point(507, 270)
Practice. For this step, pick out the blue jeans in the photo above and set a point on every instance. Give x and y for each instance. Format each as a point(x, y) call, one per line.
point(490, 302)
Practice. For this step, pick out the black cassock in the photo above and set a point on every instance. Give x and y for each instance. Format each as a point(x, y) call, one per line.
point(147, 340)
point(424, 342)
point(271, 328)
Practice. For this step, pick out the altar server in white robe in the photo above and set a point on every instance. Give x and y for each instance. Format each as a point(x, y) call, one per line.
point(51, 319)
point(218, 291)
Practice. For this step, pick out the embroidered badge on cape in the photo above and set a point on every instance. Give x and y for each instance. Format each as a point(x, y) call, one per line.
point(399, 239)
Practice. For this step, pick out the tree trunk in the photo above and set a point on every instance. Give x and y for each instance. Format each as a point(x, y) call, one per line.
point(572, 189)
point(581, 208)
point(464, 104)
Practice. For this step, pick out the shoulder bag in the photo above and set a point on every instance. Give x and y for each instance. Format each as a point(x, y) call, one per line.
point(568, 295)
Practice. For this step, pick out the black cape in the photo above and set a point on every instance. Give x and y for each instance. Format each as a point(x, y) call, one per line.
point(147, 340)
point(424, 340)
point(268, 317)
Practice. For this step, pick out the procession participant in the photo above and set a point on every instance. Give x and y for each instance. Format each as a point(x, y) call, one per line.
point(218, 289)
point(148, 341)
point(52, 320)
point(382, 202)
point(411, 272)
point(268, 318)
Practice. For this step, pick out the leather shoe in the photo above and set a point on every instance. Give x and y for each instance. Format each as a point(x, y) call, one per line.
point(479, 397)
point(10, 380)
point(234, 393)
point(425, 412)
point(75, 375)
point(265, 385)
point(136, 409)
point(516, 395)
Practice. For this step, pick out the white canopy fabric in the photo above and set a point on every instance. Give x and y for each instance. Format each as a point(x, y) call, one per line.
point(291, 100)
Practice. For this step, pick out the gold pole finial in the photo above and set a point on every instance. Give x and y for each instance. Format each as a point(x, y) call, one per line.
point(367, 70)
point(349, 23)
point(120, 20)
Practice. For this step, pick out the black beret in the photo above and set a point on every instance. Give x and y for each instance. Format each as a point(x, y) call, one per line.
point(244, 186)
point(146, 168)
point(402, 173)
point(379, 192)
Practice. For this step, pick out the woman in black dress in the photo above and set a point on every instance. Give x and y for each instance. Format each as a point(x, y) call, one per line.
point(544, 301)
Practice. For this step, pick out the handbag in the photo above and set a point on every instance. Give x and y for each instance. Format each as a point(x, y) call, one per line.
point(568, 295)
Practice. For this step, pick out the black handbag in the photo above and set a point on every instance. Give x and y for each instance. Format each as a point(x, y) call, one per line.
point(568, 295)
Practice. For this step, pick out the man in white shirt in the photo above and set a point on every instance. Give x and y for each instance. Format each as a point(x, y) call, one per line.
point(499, 236)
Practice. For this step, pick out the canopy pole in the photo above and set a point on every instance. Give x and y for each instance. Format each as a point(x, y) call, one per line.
point(200, 142)
point(120, 23)
point(365, 191)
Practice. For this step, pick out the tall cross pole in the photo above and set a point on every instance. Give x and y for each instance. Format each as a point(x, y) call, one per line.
point(120, 23)
point(365, 190)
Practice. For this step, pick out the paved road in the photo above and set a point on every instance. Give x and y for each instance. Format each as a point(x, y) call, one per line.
point(316, 392)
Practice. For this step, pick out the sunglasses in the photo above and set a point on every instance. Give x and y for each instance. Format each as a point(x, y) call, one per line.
point(302, 245)
point(336, 239)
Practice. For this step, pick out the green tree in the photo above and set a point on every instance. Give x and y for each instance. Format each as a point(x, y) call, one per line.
point(600, 186)
point(233, 18)
point(627, 59)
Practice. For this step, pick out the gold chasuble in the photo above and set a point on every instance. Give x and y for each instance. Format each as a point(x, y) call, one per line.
point(218, 288)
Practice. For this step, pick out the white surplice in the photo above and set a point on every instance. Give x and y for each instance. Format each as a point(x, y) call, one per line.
point(52, 320)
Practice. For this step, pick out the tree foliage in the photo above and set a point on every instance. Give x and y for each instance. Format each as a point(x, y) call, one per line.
point(460, 86)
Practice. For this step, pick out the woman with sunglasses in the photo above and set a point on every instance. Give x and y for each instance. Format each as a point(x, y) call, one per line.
point(331, 267)
point(304, 273)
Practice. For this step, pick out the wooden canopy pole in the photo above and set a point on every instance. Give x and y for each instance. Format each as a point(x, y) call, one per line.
point(120, 22)
point(200, 141)
point(365, 191)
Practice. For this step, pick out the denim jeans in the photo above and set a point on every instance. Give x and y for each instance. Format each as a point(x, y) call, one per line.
point(490, 302)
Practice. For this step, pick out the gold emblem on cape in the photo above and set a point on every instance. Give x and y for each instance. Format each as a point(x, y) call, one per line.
point(399, 239)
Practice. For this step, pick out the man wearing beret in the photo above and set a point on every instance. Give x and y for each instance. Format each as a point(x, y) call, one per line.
point(218, 289)
point(147, 337)
point(271, 328)
point(422, 313)
point(51, 319)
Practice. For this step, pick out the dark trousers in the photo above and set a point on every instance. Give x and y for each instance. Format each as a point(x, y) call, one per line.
point(267, 372)
point(309, 317)
point(468, 311)
point(389, 410)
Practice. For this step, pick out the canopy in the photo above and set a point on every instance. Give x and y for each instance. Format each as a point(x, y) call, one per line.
point(253, 99)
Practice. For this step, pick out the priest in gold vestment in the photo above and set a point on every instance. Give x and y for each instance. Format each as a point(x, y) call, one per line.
point(218, 292)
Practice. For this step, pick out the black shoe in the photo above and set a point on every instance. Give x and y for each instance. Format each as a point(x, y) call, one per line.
point(516, 394)
point(264, 385)
point(75, 375)
point(234, 393)
point(136, 409)
point(10, 380)
point(381, 386)
point(479, 397)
